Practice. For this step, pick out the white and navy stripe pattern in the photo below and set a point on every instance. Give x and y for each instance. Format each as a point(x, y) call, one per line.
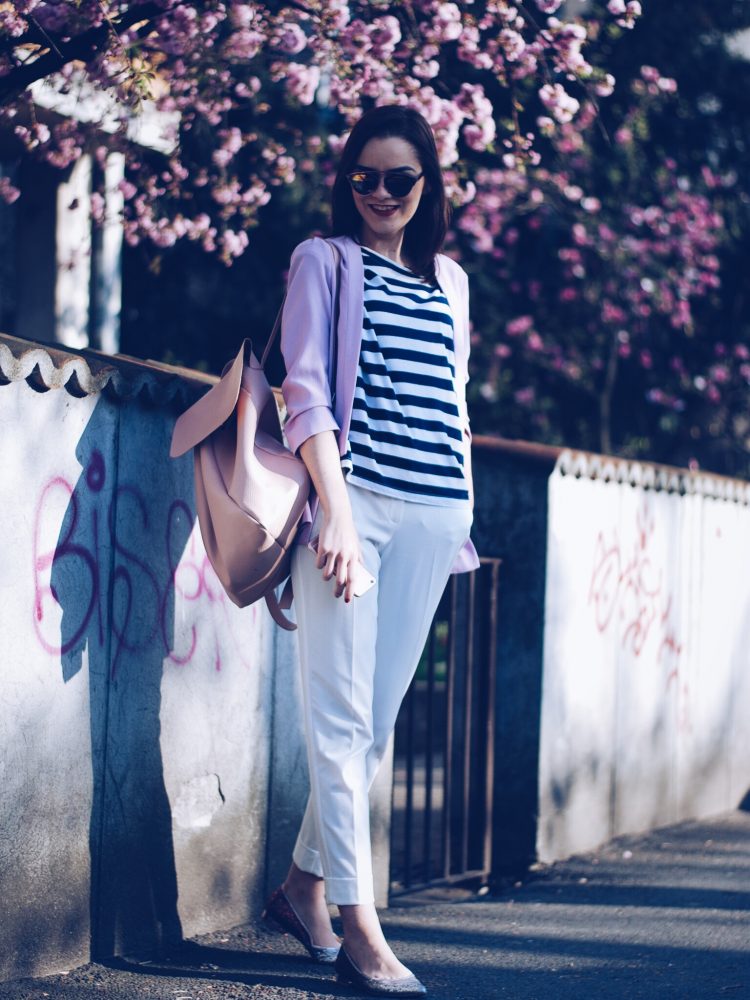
point(405, 438)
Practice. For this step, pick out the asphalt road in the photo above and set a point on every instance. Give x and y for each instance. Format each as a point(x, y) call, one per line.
point(662, 916)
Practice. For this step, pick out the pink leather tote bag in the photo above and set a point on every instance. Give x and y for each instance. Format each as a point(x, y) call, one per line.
point(250, 489)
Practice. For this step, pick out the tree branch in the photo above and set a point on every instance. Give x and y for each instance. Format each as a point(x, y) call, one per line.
point(84, 47)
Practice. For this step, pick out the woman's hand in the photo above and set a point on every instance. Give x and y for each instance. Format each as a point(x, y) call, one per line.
point(338, 549)
point(338, 542)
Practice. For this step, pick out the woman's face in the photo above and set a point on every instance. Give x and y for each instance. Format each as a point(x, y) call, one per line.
point(384, 215)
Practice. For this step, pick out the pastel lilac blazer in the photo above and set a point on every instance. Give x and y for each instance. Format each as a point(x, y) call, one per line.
point(306, 348)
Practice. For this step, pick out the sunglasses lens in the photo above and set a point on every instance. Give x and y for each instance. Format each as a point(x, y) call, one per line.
point(399, 185)
point(363, 182)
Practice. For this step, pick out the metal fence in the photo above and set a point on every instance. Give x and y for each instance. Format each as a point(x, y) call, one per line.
point(443, 753)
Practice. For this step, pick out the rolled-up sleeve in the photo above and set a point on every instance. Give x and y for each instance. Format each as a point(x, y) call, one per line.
point(305, 343)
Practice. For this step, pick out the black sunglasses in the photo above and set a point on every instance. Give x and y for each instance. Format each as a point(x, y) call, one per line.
point(396, 183)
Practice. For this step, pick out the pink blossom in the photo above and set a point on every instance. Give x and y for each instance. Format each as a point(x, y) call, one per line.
point(8, 191)
point(338, 13)
point(290, 38)
point(97, 205)
point(426, 69)
point(233, 244)
point(519, 325)
point(604, 86)
point(624, 136)
point(241, 15)
point(526, 396)
point(243, 45)
point(558, 102)
point(446, 25)
point(534, 342)
point(385, 34)
point(512, 43)
point(302, 82)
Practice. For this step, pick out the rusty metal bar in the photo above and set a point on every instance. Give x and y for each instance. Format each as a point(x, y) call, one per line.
point(547, 454)
point(450, 671)
point(409, 808)
point(467, 734)
point(429, 741)
point(490, 722)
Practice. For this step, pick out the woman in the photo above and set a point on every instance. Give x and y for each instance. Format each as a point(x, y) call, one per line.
point(387, 449)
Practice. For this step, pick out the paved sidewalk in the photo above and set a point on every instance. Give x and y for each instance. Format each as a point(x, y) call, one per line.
point(661, 916)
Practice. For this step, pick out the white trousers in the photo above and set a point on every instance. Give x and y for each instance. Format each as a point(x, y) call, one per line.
point(357, 661)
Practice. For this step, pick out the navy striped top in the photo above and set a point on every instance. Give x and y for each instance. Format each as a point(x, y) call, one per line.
point(405, 436)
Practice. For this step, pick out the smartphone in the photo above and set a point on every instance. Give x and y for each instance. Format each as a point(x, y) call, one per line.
point(363, 580)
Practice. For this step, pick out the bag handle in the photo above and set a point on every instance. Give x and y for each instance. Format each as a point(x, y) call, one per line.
point(213, 408)
point(274, 606)
point(333, 342)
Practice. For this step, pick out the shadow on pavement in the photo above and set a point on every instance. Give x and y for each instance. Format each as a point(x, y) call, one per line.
point(251, 968)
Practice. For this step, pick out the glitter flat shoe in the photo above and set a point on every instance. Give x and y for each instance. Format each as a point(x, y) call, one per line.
point(280, 912)
point(406, 986)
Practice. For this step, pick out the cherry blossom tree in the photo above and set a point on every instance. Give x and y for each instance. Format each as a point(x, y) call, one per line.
point(599, 270)
point(616, 315)
point(231, 79)
point(594, 246)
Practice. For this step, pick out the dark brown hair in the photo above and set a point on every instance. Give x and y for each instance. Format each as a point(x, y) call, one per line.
point(425, 232)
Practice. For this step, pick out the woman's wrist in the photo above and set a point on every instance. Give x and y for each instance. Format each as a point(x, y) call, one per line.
point(337, 505)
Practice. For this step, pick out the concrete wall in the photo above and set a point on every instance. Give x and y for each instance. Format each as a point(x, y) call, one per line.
point(152, 772)
point(510, 523)
point(646, 679)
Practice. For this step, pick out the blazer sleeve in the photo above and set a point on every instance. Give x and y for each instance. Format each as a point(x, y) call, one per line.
point(305, 343)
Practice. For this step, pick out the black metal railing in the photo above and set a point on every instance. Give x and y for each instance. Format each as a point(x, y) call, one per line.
point(441, 822)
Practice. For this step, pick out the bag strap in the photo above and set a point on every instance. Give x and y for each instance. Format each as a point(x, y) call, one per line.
point(333, 342)
point(274, 606)
point(274, 331)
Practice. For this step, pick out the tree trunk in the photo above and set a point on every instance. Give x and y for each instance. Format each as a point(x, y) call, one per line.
point(605, 399)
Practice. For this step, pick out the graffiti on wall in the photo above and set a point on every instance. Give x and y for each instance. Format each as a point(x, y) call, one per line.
point(110, 566)
point(630, 592)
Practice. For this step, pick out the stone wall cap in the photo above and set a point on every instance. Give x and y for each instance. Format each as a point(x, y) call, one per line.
point(609, 468)
point(88, 372)
point(652, 476)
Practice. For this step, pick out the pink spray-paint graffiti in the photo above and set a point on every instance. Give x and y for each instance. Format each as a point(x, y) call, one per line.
point(90, 585)
point(627, 592)
point(627, 588)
